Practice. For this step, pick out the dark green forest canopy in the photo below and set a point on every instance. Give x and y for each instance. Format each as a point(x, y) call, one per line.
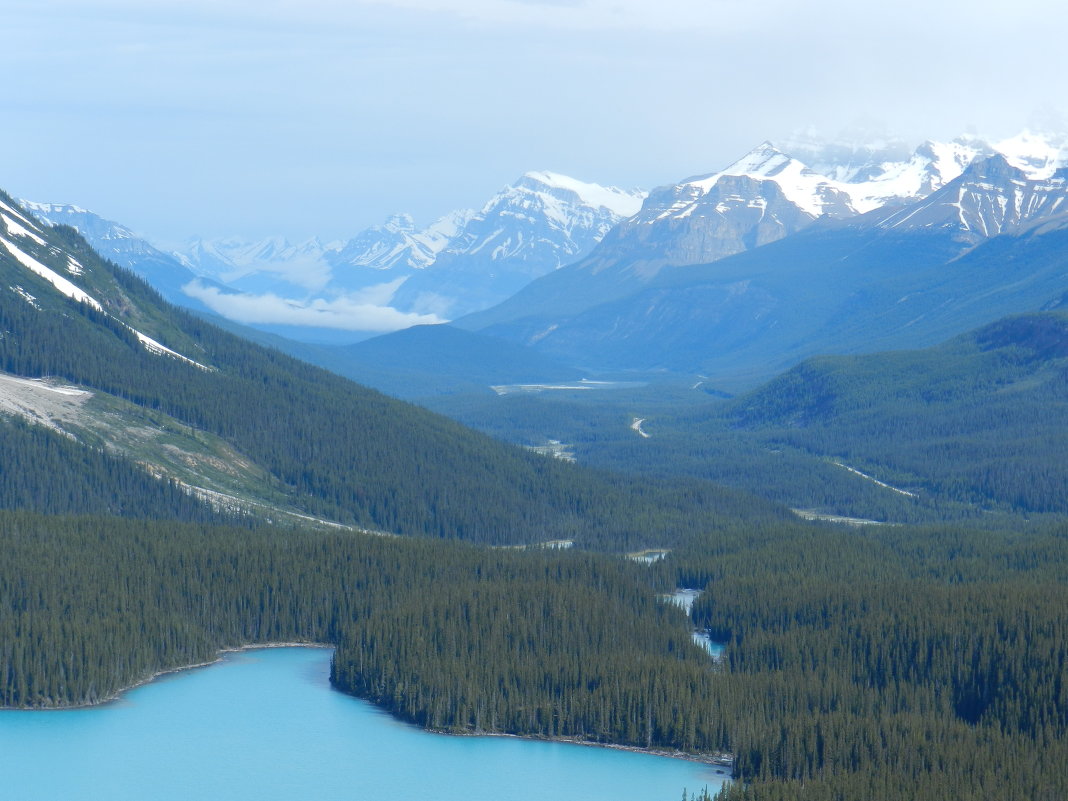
point(894, 662)
point(881, 663)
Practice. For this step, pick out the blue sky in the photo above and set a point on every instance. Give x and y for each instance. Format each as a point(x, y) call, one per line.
point(189, 117)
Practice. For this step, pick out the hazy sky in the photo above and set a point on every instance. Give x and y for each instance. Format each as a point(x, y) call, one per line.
point(254, 117)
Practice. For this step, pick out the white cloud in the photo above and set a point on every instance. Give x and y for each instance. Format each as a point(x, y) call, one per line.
point(359, 311)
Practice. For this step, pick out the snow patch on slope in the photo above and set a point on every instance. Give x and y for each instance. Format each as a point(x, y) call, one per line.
point(152, 346)
point(14, 229)
point(19, 214)
point(26, 296)
point(55, 279)
point(68, 289)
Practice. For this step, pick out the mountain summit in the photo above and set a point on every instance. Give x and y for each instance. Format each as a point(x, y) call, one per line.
point(465, 261)
point(538, 224)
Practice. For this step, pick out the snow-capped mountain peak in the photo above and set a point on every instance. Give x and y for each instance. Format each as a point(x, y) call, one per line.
point(399, 243)
point(745, 187)
point(539, 223)
point(812, 193)
point(620, 202)
point(763, 161)
point(991, 197)
point(843, 190)
point(1038, 155)
point(544, 217)
point(930, 167)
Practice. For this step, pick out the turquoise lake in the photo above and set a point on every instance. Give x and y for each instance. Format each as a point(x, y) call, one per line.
point(266, 725)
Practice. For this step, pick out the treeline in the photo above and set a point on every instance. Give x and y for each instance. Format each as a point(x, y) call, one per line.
point(450, 636)
point(891, 663)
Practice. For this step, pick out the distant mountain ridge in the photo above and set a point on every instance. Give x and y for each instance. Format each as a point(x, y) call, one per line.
point(464, 261)
point(122, 246)
point(768, 194)
point(557, 265)
point(744, 271)
point(344, 291)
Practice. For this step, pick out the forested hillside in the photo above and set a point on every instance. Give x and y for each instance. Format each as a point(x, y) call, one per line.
point(894, 662)
point(975, 426)
point(887, 663)
point(44, 471)
point(341, 451)
point(981, 420)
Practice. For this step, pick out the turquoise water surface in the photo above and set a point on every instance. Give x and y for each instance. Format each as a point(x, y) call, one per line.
point(266, 725)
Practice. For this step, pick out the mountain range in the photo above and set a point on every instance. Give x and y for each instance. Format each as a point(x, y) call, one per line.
point(734, 274)
point(463, 262)
point(386, 277)
point(743, 272)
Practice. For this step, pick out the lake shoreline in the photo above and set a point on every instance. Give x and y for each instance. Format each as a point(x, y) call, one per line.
point(117, 695)
point(267, 725)
point(717, 760)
